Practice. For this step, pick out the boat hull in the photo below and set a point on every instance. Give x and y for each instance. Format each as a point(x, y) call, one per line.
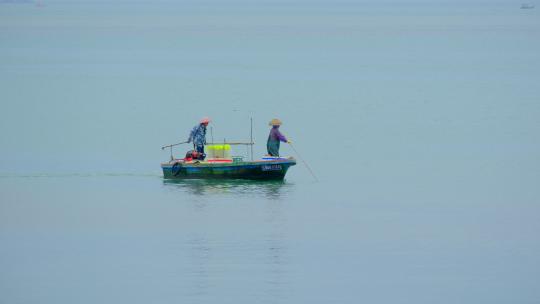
point(256, 170)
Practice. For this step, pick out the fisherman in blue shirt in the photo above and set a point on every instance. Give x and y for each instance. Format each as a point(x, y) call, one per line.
point(198, 135)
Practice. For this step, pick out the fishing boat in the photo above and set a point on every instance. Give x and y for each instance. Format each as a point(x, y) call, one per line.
point(221, 165)
point(257, 170)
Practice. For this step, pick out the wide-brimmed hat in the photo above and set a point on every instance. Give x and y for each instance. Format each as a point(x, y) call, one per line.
point(275, 122)
point(205, 120)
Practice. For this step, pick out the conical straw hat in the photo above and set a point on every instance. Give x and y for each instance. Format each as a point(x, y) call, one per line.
point(275, 122)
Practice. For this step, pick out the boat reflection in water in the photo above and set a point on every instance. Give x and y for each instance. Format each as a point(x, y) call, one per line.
point(250, 257)
point(271, 189)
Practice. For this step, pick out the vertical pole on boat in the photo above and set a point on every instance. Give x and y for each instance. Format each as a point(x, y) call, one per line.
point(212, 133)
point(172, 158)
point(251, 137)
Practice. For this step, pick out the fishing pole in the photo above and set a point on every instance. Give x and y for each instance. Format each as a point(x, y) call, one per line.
point(307, 166)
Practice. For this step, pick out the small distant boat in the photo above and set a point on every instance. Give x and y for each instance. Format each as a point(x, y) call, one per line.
point(527, 6)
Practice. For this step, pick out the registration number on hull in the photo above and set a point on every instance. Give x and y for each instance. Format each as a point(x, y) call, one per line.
point(271, 168)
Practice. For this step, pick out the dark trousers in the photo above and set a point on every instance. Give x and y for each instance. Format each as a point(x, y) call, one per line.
point(272, 146)
point(199, 148)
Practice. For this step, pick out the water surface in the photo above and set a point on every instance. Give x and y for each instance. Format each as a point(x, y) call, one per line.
point(419, 119)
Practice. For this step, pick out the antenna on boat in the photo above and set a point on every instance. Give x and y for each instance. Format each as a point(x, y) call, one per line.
point(251, 137)
point(212, 133)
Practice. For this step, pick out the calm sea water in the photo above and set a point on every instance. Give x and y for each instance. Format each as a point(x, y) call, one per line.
point(420, 120)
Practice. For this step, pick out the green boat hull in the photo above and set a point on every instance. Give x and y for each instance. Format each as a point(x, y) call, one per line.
point(256, 170)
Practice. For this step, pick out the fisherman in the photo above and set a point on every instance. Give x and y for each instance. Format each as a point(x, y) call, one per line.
point(198, 135)
point(274, 138)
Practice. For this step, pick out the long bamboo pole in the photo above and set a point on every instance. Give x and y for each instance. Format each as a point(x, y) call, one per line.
point(231, 143)
point(172, 145)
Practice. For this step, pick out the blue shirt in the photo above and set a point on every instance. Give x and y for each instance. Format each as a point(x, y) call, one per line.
point(198, 135)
